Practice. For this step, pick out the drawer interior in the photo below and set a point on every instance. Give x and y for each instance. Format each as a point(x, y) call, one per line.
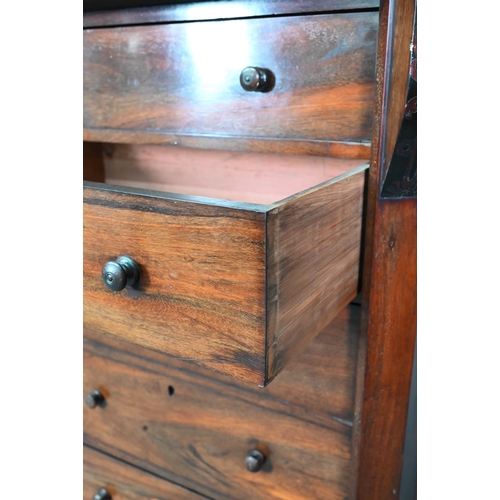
point(257, 178)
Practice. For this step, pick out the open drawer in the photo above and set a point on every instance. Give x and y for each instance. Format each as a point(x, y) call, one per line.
point(243, 258)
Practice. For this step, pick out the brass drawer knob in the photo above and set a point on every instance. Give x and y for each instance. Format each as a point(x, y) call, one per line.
point(102, 494)
point(93, 399)
point(256, 79)
point(120, 273)
point(254, 461)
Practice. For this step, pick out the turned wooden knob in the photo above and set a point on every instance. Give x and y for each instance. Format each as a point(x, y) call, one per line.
point(102, 494)
point(93, 399)
point(256, 79)
point(254, 461)
point(120, 273)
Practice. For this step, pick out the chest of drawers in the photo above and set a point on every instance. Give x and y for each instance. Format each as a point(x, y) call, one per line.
point(226, 147)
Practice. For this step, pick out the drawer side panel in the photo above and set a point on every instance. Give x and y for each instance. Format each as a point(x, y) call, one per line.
point(313, 253)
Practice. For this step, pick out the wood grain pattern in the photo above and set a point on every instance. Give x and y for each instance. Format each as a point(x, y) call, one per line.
point(202, 288)
point(199, 436)
point(222, 9)
point(354, 150)
point(313, 254)
point(389, 283)
point(124, 482)
point(184, 78)
point(246, 177)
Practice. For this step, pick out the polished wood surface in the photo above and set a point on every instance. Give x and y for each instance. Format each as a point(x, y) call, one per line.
point(313, 253)
point(246, 177)
point(202, 290)
point(389, 284)
point(124, 482)
point(335, 149)
point(223, 9)
point(196, 427)
point(184, 78)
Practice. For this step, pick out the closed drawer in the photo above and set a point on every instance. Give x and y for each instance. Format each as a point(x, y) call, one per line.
point(123, 482)
point(197, 430)
point(184, 79)
point(235, 286)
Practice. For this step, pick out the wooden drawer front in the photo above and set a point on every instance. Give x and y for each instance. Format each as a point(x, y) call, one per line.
point(194, 428)
point(184, 78)
point(235, 287)
point(202, 289)
point(124, 482)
